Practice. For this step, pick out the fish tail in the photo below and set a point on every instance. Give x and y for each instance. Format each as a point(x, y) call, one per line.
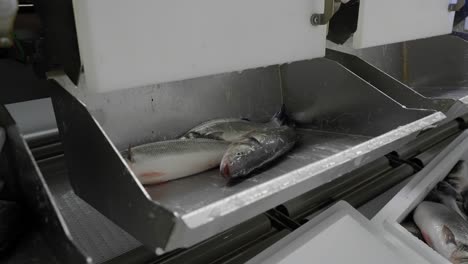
point(281, 118)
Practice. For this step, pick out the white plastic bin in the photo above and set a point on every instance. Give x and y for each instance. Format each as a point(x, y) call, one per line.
point(390, 217)
point(341, 234)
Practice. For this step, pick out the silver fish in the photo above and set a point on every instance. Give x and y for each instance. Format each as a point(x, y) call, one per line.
point(232, 129)
point(446, 194)
point(256, 150)
point(169, 160)
point(444, 230)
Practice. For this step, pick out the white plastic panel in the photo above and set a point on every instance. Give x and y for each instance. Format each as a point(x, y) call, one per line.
point(389, 21)
point(397, 209)
point(126, 43)
point(338, 235)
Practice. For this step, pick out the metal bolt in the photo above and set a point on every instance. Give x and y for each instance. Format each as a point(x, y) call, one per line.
point(315, 19)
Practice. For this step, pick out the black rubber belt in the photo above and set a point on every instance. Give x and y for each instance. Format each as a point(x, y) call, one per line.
point(396, 161)
point(281, 220)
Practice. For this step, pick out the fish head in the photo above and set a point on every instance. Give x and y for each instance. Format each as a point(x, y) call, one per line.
point(436, 223)
point(254, 150)
point(241, 158)
point(445, 243)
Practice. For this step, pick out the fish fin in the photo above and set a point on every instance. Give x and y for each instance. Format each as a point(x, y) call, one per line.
point(194, 135)
point(248, 138)
point(281, 118)
point(191, 135)
point(214, 135)
point(449, 237)
point(249, 133)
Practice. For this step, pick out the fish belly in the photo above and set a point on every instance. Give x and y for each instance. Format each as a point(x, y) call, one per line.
point(162, 169)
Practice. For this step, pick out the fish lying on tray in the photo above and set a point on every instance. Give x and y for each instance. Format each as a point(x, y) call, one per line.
point(239, 145)
point(170, 160)
point(256, 150)
point(233, 129)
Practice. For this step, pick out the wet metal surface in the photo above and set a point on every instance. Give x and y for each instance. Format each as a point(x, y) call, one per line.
point(451, 92)
point(101, 239)
point(428, 73)
point(347, 122)
point(164, 111)
point(185, 196)
point(38, 195)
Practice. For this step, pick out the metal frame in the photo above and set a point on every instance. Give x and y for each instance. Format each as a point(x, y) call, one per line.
point(331, 7)
point(429, 73)
point(282, 250)
point(390, 217)
point(387, 84)
point(184, 212)
point(36, 193)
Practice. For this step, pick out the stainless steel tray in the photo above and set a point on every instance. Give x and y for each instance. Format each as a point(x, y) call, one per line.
point(429, 73)
point(37, 195)
point(344, 123)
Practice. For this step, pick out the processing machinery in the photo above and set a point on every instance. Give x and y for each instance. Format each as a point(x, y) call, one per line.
point(378, 91)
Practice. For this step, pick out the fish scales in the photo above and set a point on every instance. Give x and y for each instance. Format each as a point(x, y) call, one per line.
point(170, 160)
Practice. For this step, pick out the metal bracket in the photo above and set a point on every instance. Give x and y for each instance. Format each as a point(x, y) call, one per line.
point(456, 7)
point(331, 6)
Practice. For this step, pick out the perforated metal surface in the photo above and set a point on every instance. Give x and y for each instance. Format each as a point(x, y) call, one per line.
point(101, 239)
